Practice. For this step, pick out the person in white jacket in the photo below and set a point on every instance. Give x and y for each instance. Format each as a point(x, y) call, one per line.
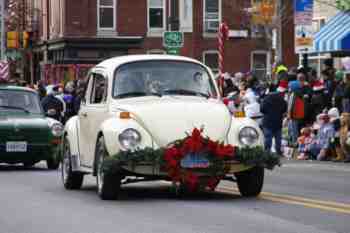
point(252, 107)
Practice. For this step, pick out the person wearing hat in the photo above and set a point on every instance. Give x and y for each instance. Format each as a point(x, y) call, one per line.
point(334, 118)
point(296, 110)
point(229, 85)
point(320, 148)
point(345, 136)
point(346, 97)
point(52, 106)
point(339, 90)
point(328, 75)
point(318, 97)
point(273, 108)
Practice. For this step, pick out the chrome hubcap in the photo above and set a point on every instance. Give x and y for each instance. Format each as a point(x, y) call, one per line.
point(65, 163)
point(100, 173)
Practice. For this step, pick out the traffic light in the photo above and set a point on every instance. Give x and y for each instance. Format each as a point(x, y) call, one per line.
point(25, 39)
point(13, 40)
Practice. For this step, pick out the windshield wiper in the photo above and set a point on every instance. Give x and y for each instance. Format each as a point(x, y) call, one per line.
point(138, 93)
point(186, 92)
point(14, 107)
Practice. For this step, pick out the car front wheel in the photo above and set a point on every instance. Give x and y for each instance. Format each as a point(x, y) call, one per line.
point(250, 182)
point(108, 185)
point(28, 164)
point(52, 163)
point(71, 180)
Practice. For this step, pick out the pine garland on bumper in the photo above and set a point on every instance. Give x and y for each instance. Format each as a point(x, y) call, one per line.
point(205, 174)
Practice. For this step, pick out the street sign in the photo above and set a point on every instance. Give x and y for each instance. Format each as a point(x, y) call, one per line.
point(303, 12)
point(173, 39)
point(173, 51)
point(303, 38)
point(238, 33)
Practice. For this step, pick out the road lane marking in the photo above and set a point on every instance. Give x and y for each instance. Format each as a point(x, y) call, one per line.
point(302, 199)
point(294, 200)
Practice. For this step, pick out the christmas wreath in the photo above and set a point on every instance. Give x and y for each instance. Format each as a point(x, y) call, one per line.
point(195, 161)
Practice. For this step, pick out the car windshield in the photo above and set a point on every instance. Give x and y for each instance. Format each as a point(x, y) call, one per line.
point(19, 101)
point(160, 78)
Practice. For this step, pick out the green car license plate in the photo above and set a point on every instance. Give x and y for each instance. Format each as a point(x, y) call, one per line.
point(16, 146)
point(194, 161)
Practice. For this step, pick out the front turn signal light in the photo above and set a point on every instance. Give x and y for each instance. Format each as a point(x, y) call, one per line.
point(124, 115)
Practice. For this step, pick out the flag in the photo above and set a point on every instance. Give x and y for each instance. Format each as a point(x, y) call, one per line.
point(4, 70)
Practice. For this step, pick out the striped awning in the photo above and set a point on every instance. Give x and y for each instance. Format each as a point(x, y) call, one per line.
point(335, 35)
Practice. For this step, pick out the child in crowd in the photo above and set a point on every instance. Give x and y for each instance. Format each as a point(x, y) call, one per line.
point(334, 117)
point(304, 141)
point(321, 146)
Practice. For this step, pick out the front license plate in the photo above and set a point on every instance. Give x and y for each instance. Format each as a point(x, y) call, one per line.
point(194, 161)
point(16, 146)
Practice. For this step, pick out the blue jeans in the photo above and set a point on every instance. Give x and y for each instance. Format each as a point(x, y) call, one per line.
point(269, 135)
point(293, 130)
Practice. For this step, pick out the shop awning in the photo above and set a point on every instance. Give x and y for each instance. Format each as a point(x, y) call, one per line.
point(335, 35)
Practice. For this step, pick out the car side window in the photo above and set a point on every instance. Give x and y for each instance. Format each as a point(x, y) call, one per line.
point(99, 89)
point(88, 89)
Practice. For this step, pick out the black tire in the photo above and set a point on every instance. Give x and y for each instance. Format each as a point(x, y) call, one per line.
point(250, 182)
point(29, 164)
point(108, 185)
point(52, 163)
point(71, 180)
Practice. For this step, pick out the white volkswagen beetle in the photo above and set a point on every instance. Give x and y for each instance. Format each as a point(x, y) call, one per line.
point(140, 101)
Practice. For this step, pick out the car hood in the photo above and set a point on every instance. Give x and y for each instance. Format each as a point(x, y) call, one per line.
point(169, 118)
point(19, 122)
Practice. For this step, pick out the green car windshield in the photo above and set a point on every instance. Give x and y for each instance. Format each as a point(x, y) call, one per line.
point(23, 101)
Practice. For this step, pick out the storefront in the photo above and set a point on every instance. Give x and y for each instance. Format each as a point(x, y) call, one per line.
point(65, 59)
point(332, 40)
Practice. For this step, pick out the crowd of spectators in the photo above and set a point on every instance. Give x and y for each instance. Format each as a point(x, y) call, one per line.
point(299, 110)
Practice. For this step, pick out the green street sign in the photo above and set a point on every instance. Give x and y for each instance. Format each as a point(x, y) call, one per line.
point(173, 51)
point(173, 39)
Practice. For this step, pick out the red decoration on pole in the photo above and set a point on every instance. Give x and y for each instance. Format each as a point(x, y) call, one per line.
point(222, 36)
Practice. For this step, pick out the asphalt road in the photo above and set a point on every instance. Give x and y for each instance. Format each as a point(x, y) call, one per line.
point(300, 197)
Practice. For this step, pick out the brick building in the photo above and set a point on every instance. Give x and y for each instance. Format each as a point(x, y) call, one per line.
point(88, 31)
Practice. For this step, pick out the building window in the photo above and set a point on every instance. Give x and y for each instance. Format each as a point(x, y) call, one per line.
point(260, 64)
point(186, 15)
point(211, 59)
point(318, 23)
point(156, 15)
point(212, 15)
point(106, 14)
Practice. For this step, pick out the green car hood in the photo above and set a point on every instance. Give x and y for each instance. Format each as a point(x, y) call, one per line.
point(32, 128)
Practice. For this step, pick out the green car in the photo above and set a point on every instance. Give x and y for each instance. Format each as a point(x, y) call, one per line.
point(26, 135)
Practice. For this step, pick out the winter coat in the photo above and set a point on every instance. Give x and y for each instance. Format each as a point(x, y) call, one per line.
point(273, 107)
point(52, 102)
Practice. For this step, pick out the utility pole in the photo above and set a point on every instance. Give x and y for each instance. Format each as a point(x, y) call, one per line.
point(279, 15)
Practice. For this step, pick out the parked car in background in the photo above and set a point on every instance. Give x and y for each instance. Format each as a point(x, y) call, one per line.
point(27, 136)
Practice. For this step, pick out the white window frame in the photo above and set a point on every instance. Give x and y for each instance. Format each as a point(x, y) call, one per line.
point(157, 32)
point(62, 19)
point(211, 34)
point(204, 53)
point(156, 51)
point(114, 7)
point(268, 60)
point(186, 23)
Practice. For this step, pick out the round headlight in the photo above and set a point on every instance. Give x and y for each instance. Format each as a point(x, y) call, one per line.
point(129, 139)
point(248, 136)
point(57, 129)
